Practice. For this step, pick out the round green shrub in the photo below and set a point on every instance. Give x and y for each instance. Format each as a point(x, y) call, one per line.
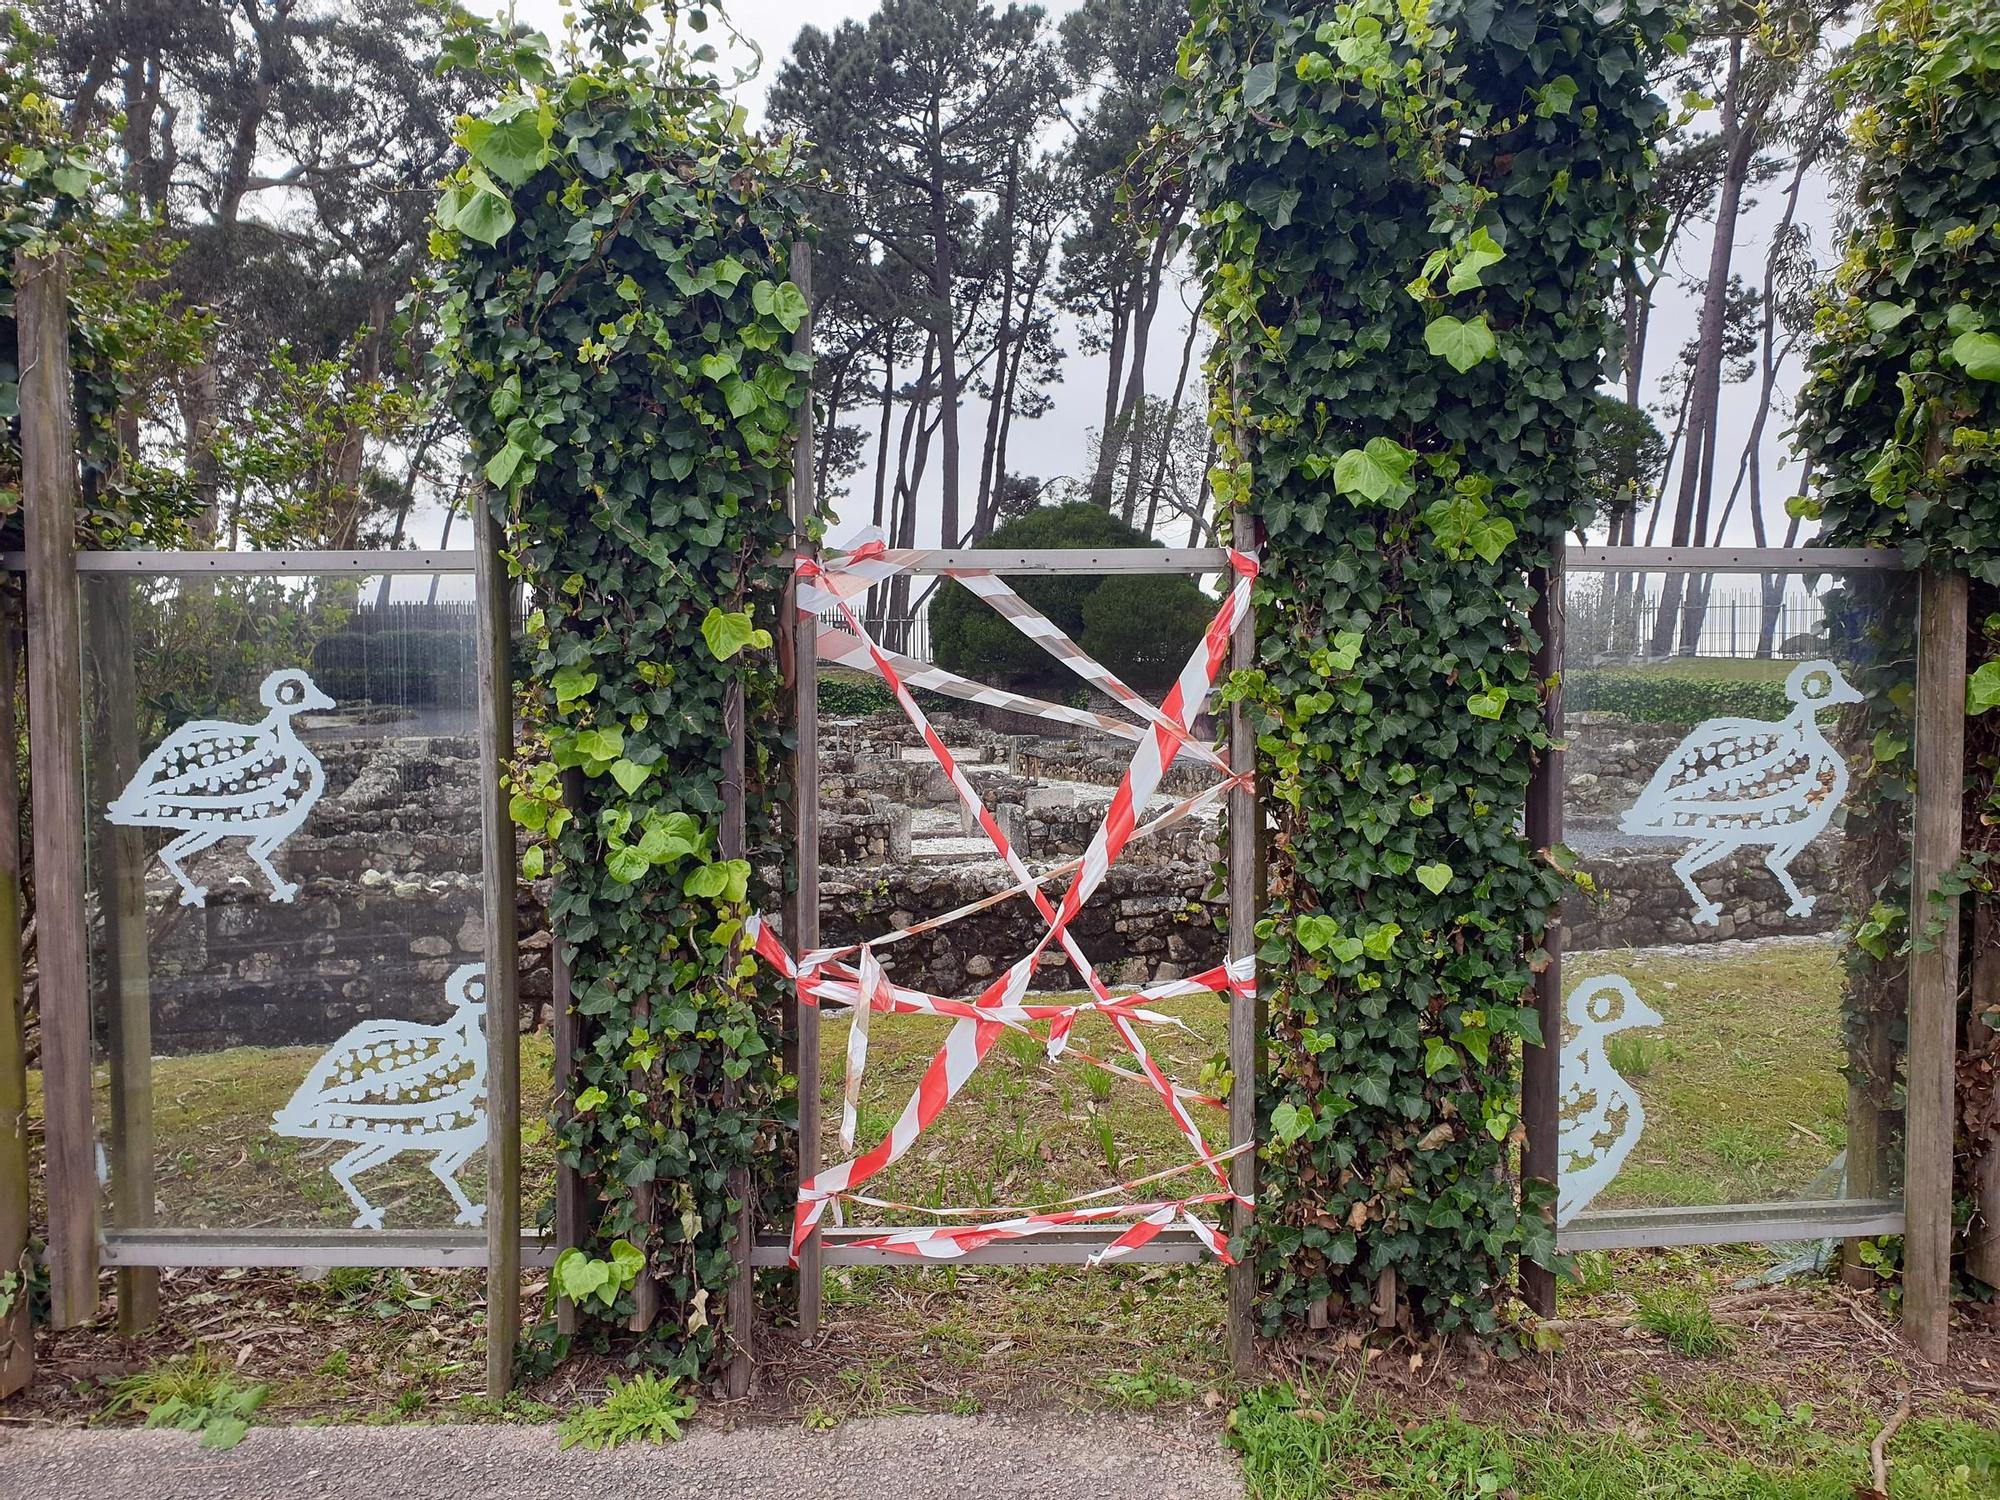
point(1143, 631)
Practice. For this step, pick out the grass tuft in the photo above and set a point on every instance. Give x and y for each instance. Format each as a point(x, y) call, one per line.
point(189, 1394)
point(1684, 1321)
point(647, 1408)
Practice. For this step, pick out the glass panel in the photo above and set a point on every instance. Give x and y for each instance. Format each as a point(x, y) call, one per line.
point(1727, 805)
point(898, 848)
point(286, 899)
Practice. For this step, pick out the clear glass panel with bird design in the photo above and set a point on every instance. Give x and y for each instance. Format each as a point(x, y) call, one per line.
point(1737, 746)
point(287, 891)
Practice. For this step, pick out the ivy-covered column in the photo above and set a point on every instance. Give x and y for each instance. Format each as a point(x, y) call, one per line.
point(1901, 421)
point(617, 328)
point(1410, 216)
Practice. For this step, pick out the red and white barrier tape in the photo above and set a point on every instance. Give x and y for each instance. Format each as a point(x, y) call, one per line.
point(828, 588)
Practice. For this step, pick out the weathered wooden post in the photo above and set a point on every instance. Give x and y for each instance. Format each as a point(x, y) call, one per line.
point(127, 983)
point(1246, 1013)
point(802, 920)
point(503, 1001)
point(742, 1301)
point(17, 1336)
point(1541, 1085)
point(1930, 1061)
point(55, 758)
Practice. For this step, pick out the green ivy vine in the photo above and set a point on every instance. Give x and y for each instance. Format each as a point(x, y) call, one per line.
point(617, 331)
point(1410, 214)
point(1900, 419)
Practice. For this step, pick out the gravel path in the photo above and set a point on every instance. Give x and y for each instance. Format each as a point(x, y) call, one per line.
point(896, 1458)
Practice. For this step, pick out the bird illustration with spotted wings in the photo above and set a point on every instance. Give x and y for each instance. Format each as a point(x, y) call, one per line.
point(215, 780)
point(1737, 783)
point(387, 1087)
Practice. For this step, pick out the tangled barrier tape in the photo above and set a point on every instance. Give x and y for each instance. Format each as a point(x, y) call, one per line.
point(853, 977)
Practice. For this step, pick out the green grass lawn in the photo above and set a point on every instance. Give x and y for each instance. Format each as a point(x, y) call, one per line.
point(1742, 1090)
point(1720, 1440)
point(1742, 1086)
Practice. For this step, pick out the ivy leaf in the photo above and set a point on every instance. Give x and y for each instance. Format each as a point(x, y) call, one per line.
point(600, 745)
point(1346, 950)
point(627, 1261)
point(534, 860)
point(1315, 932)
point(70, 180)
point(582, 1278)
point(1346, 650)
point(718, 366)
point(629, 774)
point(1481, 251)
point(532, 813)
point(513, 141)
point(1982, 689)
point(501, 466)
point(1489, 703)
point(729, 632)
point(1978, 354)
point(591, 1099)
point(1379, 472)
point(1260, 84)
point(1557, 97)
point(1438, 1055)
point(478, 209)
point(1883, 316)
point(1289, 1122)
point(626, 865)
point(709, 881)
point(1433, 877)
point(571, 683)
point(1379, 941)
point(1461, 344)
point(785, 304)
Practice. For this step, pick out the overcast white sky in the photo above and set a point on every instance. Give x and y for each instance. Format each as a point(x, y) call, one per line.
point(1056, 444)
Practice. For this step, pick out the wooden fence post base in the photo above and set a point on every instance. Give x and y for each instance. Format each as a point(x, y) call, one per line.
point(1930, 1064)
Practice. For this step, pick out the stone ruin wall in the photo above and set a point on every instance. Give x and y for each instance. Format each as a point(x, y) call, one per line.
point(390, 904)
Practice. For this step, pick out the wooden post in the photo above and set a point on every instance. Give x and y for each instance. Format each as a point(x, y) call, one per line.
point(1930, 1063)
point(1541, 1087)
point(127, 974)
point(743, 1278)
point(17, 1334)
point(1982, 1043)
point(1246, 1016)
point(55, 761)
point(562, 1021)
point(802, 921)
point(503, 974)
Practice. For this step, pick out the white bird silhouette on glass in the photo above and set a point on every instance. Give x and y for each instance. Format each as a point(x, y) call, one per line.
point(1601, 1116)
point(217, 780)
point(1737, 782)
point(395, 1086)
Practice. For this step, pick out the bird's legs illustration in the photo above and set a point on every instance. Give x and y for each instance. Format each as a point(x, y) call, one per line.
point(363, 1158)
point(187, 846)
point(1700, 857)
point(1778, 862)
point(445, 1167)
point(261, 851)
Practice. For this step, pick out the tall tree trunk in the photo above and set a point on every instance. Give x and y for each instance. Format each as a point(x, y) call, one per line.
point(1740, 131)
point(1126, 428)
point(1173, 415)
point(1114, 379)
point(996, 408)
point(877, 519)
point(942, 274)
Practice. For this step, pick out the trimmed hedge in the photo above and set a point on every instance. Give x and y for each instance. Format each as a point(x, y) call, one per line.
point(1659, 698)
